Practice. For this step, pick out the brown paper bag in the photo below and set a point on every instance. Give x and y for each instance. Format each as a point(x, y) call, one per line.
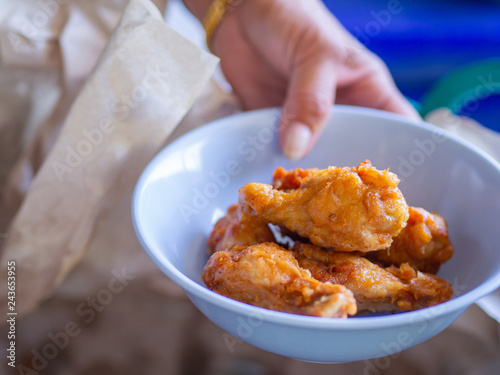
point(144, 83)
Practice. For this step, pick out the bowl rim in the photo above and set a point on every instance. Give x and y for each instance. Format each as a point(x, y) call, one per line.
point(192, 288)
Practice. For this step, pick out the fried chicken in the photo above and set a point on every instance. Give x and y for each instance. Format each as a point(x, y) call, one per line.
point(358, 246)
point(350, 209)
point(284, 180)
point(375, 288)
point(229, 231)
point(423, 243)
point(269, 276)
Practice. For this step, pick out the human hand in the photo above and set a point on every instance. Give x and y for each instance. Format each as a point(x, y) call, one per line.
point(295, 54)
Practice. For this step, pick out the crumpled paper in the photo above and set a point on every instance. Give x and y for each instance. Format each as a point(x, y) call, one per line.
point(143, 84)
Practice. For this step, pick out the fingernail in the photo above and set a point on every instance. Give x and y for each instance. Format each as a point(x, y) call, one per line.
point(297, 141)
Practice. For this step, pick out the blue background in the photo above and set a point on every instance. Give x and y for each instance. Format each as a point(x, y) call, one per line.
point(421, 40)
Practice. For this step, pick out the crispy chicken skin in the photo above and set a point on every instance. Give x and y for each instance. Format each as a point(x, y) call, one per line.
point(350, 209)
point(229, 231)
point(285, 180)
point(423, 243)
point(375, 288)
point(269, 276)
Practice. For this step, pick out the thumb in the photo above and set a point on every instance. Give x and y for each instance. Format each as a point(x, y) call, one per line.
point(309, 98)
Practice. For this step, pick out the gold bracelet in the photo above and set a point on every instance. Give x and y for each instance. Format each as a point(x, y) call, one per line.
point(214, 16)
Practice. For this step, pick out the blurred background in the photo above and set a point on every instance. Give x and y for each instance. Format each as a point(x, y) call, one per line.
point(423, 41)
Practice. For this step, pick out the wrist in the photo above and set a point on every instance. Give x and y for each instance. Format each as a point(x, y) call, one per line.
point(198, 8)
point(211, 14)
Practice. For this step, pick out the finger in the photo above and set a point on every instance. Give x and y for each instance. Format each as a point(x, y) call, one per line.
point(375, 88)
point(374, 94)
point(393, 100)
point(307, 106)
point(255, 83)
point(397, 103)
point(386, 95)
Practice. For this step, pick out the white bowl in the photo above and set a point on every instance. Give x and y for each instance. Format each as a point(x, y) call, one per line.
point(190, 184)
